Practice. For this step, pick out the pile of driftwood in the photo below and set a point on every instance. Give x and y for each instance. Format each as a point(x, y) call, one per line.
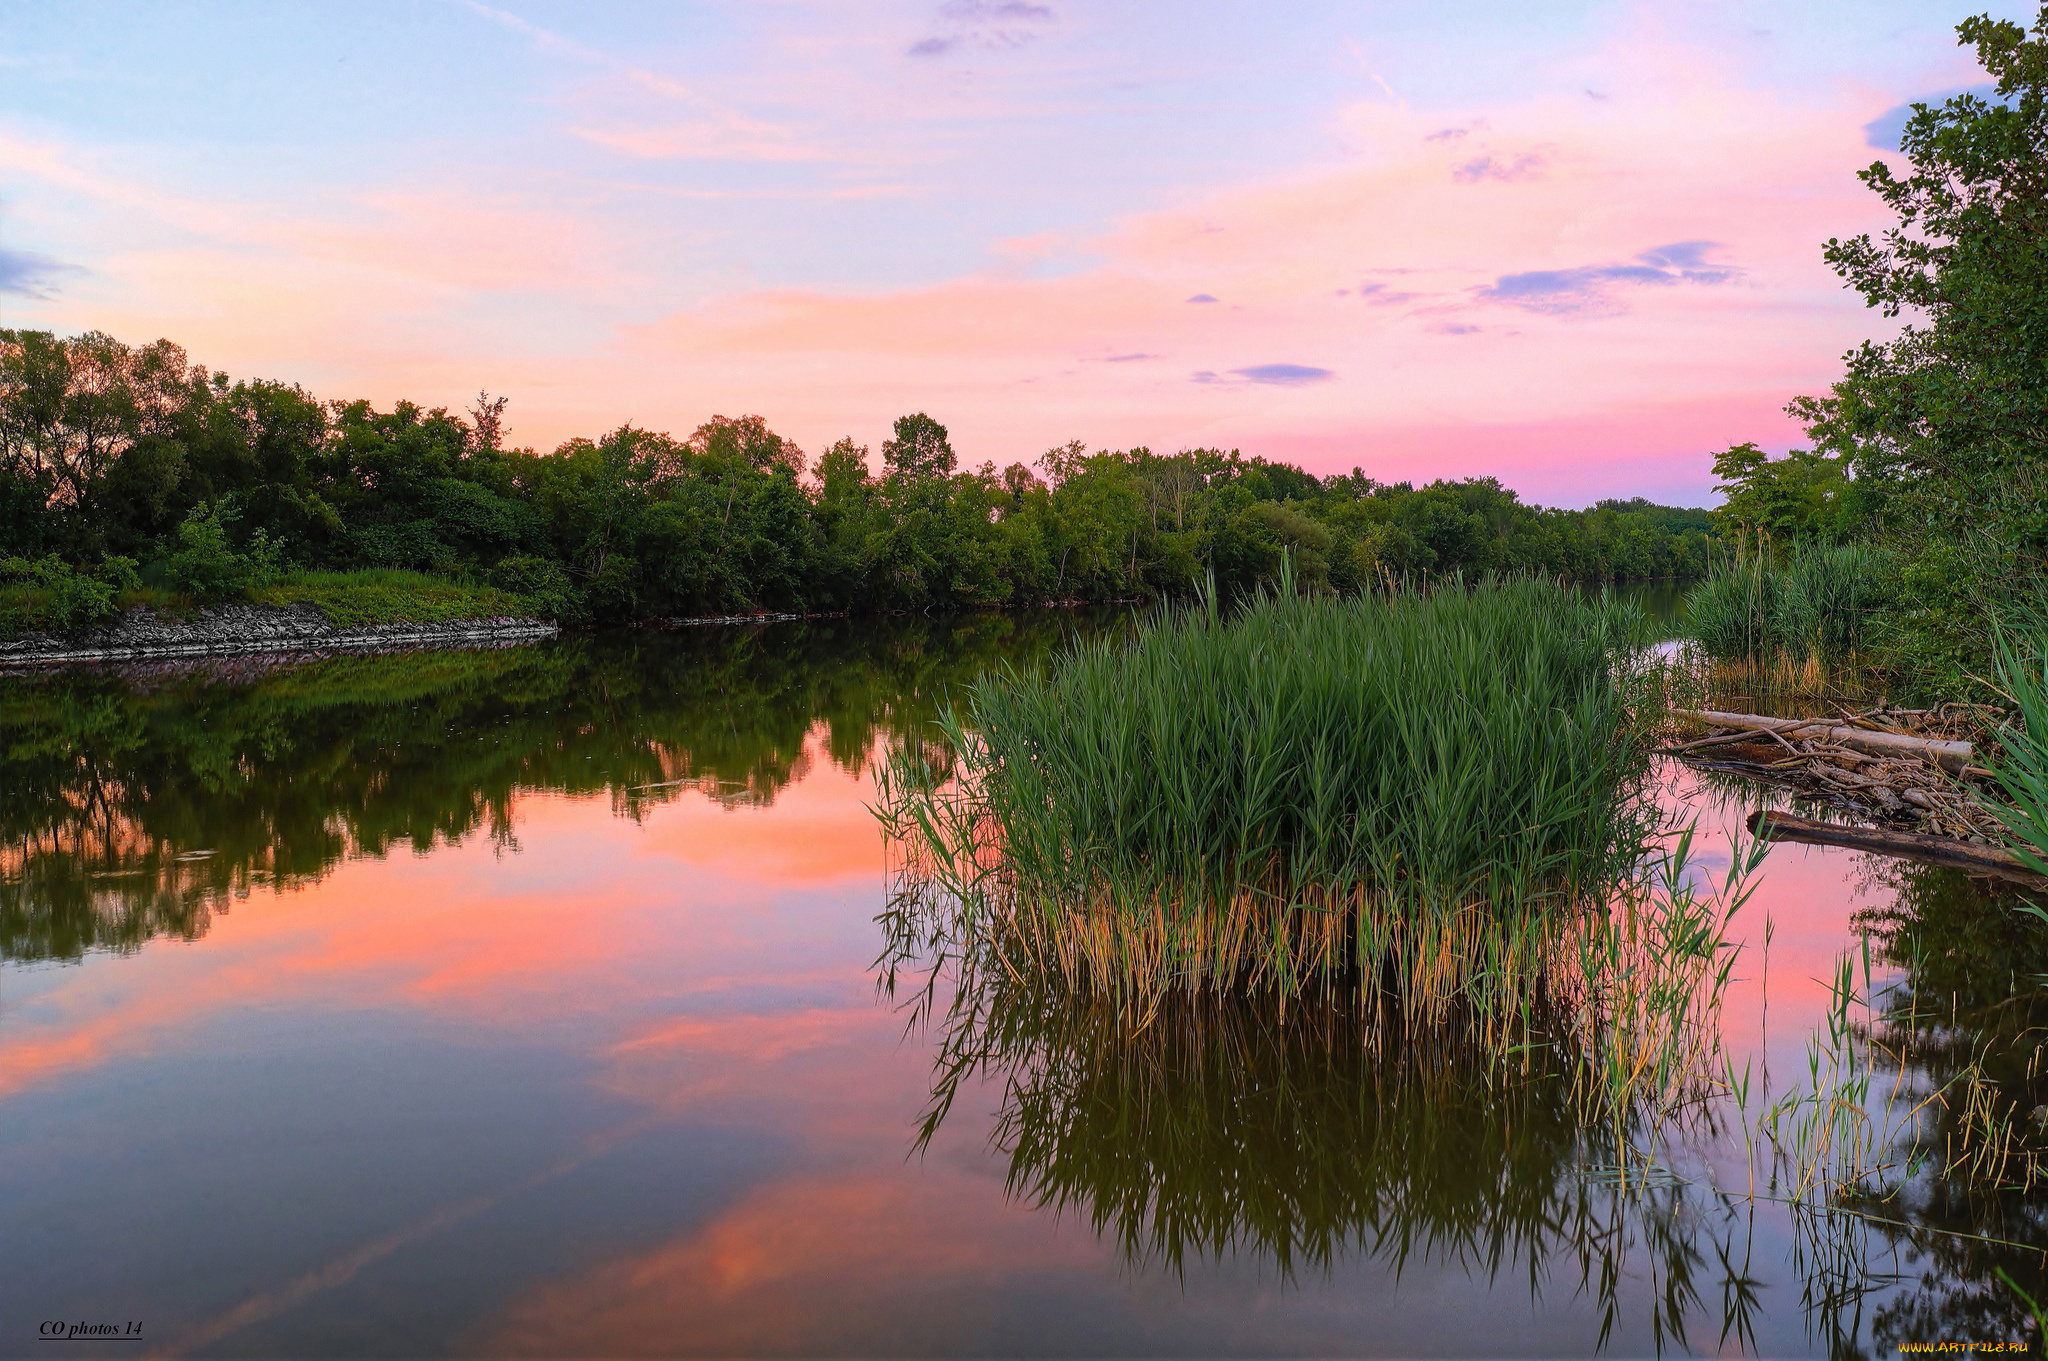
point(1901, 768)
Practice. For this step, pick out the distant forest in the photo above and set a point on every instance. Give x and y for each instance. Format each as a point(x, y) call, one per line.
point(140, 469)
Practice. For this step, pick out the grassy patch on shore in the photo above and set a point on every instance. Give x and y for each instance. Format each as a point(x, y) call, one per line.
point(390, 596)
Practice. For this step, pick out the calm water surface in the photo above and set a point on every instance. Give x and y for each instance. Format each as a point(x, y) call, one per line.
point(521, 1001)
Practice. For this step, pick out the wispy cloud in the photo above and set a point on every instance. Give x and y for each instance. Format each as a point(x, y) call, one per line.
point(1591, 287)
point(27, 274)
point(1689, 259)
point(701, 140)
point(1380, 295)
point(994, 25)
point(1484, 168)
point(1284, 375)
point(710, 131)
point(1201, 297)
point(1272, 375)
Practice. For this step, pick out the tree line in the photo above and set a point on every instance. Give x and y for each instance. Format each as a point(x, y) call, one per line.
point(185, 480)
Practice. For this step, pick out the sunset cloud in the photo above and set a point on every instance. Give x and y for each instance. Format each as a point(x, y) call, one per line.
point(1560, 291)
point(30, 275)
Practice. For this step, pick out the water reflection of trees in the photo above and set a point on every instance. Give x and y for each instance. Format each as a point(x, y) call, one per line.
point(1967, 1019)
point(1220, 1129)
point(142, 800)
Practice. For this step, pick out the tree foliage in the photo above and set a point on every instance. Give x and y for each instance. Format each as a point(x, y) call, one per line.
point(216, 486)
point(1941, 430)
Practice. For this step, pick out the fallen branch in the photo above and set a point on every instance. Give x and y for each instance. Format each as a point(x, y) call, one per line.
point(1950, 756)
point(1770, 825)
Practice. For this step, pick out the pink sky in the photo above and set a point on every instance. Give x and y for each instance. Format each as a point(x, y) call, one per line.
point(1575, 246)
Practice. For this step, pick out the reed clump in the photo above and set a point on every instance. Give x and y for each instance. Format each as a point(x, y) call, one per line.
point(1800, 625)
point(1436, 793)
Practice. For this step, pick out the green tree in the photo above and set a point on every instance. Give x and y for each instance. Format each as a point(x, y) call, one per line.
point(1945, 426)
point(729, 442)
point(918, 449)
point(1796, 497)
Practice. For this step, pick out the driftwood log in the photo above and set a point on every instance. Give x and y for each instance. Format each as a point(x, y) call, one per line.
point(1950, 756)
point(1770, 825)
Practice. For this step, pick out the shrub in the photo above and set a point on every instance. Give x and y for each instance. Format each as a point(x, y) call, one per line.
point(205, 564)
point(48, 594)
point(541, 581)
point(408, 545)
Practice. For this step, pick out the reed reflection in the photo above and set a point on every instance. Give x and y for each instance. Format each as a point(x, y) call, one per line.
point(1963, 1029)
point(1220, 1128)
point(143, 799)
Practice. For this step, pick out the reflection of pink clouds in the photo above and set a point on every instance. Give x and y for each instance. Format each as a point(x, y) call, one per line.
point(1777, 997)
point(761, 1038)
point(810, 837)
point(95, 1016)
point(685, 910)
point(818, 827)
point(839, 1074)
point(807, 1265)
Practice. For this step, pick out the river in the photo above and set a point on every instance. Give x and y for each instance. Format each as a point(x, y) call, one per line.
point(521, 1001)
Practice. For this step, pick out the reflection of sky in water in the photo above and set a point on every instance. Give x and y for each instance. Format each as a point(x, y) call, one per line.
point(630, 1089)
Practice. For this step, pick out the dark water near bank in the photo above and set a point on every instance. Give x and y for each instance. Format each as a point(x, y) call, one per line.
point(520, 1001)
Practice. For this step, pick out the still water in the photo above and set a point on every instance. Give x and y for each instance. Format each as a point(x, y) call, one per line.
point(521, 1002)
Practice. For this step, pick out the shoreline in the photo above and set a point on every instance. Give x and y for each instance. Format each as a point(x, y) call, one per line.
point(239, 629)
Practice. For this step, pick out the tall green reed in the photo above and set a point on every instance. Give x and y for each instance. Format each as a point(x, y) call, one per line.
point(1433, 791)
point(1732, 615)
point(2022, 763)
point(1832, 594)
point(1819, 608)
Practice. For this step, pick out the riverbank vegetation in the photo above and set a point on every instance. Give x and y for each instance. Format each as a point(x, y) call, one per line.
point(129, 467)
point(1804, 622)
point(1913, 533)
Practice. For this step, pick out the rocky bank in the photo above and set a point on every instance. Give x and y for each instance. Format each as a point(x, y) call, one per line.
point(249, 628)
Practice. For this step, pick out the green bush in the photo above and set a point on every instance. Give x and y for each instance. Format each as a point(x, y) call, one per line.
point(206, 565)
point(48, 594)
point(543, 582)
